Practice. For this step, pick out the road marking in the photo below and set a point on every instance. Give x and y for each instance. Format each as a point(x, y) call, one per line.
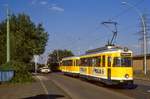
point(43, 86)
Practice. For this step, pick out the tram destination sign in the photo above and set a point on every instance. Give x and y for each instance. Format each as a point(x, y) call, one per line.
point(125, 54)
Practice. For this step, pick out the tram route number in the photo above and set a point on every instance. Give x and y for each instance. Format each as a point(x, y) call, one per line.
point(82, 69)
point(99, 71)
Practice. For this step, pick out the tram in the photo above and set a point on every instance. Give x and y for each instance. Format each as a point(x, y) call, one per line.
point(111, 65)
point(70, 65)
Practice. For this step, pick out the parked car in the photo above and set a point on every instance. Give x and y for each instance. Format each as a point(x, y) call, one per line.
point(44, 70)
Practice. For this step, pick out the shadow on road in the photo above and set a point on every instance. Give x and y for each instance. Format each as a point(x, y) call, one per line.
point(44, 96)
point(133, 86)
point(100, 84)
point(127, 86)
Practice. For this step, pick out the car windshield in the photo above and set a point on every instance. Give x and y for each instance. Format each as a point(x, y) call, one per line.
point(45, 68)
point(122, 62)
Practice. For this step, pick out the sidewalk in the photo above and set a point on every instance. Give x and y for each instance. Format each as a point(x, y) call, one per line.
point(142, 77)
point(17, 91)
point(42, 88)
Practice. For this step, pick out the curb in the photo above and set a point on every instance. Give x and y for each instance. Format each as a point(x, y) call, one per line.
point(142, 79)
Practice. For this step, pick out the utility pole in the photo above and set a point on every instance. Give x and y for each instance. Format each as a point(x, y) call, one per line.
point(144, 34)
point(8, 37)
point(57, 56)
point(36, 59)
point(141, 39)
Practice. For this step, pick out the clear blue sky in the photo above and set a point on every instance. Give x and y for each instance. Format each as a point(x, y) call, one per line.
point(76, 24)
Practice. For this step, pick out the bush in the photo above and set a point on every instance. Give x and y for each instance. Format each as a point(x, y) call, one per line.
point(21, 72)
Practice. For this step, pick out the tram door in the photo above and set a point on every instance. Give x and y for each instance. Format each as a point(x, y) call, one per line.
point(109, 61)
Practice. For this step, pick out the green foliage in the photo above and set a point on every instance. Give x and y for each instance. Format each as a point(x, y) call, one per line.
point(55, 56)
point(6, 67)
point(26, 39)
point(21, 72)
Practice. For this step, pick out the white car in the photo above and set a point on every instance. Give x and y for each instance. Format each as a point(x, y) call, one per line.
point(45, 70)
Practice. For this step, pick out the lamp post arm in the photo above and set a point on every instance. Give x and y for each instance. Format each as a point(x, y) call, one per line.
point(144, 33)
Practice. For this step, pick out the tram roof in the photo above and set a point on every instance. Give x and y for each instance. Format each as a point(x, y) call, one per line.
point(72, 57)
point(106, 49)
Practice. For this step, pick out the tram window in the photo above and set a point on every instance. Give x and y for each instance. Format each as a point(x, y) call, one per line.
point(77, 62)
point(109, 61)
point(126, 61)
point(65, 63)
point(103, 61)
point(117, 62)
point(89, 62)
point(123, 62)
point(84, 62)
point(98, 59)
point(74, 63)
point(94, 62)
point(68, 63)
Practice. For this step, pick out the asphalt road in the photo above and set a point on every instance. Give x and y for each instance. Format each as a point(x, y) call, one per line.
point(79, 89)
point(142, 91)
point(51, 90)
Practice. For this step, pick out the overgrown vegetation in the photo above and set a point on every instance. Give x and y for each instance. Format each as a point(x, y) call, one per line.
point(26, 40)
point(55, 57)
point(21, 72)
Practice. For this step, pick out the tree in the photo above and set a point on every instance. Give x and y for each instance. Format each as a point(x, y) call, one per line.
point(26, 39)
point(55, 57)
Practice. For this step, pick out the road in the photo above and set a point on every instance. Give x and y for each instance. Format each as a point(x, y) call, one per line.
point(141, 92)
point(51, 90)
point(79, 89)
point(76, 88)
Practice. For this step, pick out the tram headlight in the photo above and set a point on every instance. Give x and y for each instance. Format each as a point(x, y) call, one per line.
point(126, 76)
point(126, 49)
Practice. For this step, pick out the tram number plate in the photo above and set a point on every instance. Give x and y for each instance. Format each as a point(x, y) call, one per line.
point(82, 69)
point(99, 71)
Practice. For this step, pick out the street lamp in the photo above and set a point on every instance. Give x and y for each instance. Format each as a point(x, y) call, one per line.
point(144, 33)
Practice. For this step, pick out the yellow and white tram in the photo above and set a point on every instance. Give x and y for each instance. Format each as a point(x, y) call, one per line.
point(70, 65)
point(110, 65)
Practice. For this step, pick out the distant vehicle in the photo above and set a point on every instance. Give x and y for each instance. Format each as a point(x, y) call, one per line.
point(44, 70)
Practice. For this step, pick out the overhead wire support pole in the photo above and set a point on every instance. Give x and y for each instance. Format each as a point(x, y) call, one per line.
point(8, 37)
point(144, 34)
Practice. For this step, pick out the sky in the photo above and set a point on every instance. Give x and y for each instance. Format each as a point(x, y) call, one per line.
point(76, 24)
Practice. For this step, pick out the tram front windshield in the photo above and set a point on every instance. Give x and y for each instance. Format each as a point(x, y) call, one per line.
point(122, 62)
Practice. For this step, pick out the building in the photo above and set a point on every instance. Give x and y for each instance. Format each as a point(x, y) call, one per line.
point(138, 63)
